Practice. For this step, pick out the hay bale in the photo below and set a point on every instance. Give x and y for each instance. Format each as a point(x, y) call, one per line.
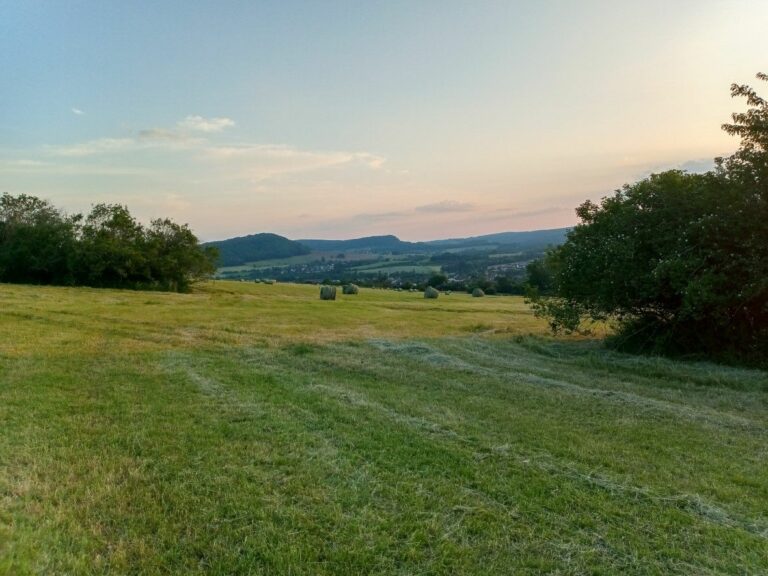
point(327, 292)
point(268, 281)
point(477, 293)
point(350, 289)
point(431, 292)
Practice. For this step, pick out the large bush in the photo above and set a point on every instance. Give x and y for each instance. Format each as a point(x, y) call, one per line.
point(37, 242)
point(679, 260)
point(41, 245)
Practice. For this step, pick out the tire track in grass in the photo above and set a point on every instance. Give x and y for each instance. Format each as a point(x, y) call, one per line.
point(355, 477)
point(546, 462)
point(337, 390)
point(456, 356)
point(692, 503)
point(545, 376)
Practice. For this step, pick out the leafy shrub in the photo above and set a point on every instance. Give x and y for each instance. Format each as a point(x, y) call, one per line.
point(41, 245)
point(679, 260)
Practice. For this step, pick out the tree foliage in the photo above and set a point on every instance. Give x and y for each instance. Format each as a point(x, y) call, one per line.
point(37, 242)
point(109, 248)
point(679, 260)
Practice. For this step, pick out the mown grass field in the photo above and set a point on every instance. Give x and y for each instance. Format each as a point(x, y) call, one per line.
point(253, 429)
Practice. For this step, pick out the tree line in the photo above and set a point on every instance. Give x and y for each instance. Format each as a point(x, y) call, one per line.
point(678, 261)
point(40, 244)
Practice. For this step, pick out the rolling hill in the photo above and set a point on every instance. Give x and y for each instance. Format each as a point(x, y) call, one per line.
point(522, 239)
point(377, 244)
point(316, 259)
point(242, 249)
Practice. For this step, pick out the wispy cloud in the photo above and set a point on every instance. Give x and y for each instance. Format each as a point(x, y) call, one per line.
point(153, 138)
point(162, 134)
point(512, 215)
point(208, 125)
point(193, 141)
point(642, 170)
point(181, 136)
point(443, 211)
point(93, 147)
point(698, 166)
point(263, 161)
point(380, 216)
point(446, 206)
point(77, 111)
point(23, 163)
point(68, 168)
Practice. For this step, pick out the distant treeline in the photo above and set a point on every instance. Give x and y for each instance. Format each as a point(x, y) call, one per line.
point(39, 244)
point(506, 285)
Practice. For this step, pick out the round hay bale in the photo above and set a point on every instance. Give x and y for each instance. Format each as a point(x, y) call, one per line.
point(327, 292)
point(431, 292)
point(477, 293)
point(268, 281)
point(350, 289)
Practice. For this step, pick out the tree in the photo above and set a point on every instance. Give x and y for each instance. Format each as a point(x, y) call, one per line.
point(175, 257)
point(37, 241)
point(41, 245)
point(437, 280)
point(112, 249)
point(539, 275)
point(679, 261)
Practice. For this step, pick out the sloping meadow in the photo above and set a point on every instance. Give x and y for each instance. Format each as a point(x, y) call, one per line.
point(253, 429)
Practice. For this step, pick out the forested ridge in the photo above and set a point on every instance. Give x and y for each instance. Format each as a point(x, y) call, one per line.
point(264, 246)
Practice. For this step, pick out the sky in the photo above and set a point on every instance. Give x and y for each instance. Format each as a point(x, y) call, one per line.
point(337, 119)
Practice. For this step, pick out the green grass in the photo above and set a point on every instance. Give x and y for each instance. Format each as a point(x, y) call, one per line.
point(313, 257)
point(252, 429)
point(399, 269)
point(399, 264)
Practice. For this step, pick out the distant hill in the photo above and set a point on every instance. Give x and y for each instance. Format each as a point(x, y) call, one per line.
point(380, 244)
point(522, 239)
point(243, 249)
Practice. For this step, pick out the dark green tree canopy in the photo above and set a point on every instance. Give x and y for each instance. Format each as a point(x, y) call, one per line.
point(679, 260)
point(41, 245)
point(36, 241)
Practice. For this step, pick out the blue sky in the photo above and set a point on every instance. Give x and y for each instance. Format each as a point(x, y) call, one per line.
point(340, 119)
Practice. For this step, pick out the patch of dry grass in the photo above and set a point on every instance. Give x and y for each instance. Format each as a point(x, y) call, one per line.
point(81, 320)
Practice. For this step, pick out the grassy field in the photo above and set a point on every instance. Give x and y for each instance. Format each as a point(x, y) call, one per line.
point(399, 269)
point(293, 261)
point(402, 264)
point(263, 264)
point(254, 429)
